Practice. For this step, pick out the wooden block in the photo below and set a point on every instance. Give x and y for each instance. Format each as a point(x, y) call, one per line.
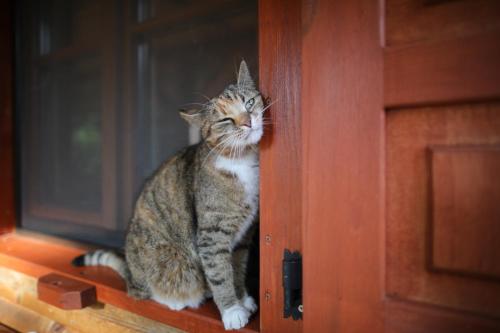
point(65, 293)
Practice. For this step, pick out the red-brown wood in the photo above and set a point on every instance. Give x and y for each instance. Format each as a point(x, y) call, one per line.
point(415, 21)
point(38, 257)
point(7, 210)
point(438, 72)
point(281, 156)
point(442, 166)
point(65, 293)
point(342, 123)
point(418, 318)
point(415, 229)
point(466, 209)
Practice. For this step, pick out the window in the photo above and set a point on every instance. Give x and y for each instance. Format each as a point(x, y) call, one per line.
point(99, 85)
point(280, 35)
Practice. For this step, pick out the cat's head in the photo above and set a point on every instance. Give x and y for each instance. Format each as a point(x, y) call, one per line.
point(232, 120)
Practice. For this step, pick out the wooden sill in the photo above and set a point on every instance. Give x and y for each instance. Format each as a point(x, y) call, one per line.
point(37, 256)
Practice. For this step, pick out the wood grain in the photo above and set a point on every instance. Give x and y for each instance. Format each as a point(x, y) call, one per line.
point(410, 275)
point(441, 57)
point(410, 317)
point(415, 21)
point(465, 209)
point(342, 123)
point(7, 209)
point(281, 156)
point(438, 72)
point(37, 257)
point(26, 320)
point(65, 293)
point(20, 307)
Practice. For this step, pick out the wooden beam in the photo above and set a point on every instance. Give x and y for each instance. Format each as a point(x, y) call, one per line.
point(280, 34)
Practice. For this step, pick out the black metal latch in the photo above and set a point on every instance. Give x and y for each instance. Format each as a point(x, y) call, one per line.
point(292, 284)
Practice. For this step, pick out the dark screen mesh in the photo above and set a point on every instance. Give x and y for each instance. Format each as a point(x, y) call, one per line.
point(99, 88)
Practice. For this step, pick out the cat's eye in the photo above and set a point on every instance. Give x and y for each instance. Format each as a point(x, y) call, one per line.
point(249, 104)
point(223, 120)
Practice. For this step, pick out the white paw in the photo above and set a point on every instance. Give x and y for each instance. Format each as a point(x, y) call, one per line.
point(249, 304)
point(235, 317)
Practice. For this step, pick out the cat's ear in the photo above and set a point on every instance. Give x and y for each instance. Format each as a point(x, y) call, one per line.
point(193, 117)
point(244, 78)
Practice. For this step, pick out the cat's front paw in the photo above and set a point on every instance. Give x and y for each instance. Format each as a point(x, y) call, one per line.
point(249, 304)
point(235, 317)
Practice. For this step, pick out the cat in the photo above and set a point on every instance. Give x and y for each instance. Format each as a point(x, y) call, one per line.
point(192, 225)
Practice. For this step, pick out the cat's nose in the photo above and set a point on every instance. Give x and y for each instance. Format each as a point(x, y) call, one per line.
point(245, 120)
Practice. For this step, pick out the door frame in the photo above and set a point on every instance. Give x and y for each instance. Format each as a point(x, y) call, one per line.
point(343, 148)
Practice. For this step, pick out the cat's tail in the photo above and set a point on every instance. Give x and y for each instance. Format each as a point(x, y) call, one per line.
point(103, 258)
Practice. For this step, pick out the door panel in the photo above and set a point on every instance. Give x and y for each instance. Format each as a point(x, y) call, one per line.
point(414, 21)
point(438, 72)
point(443, 215)
point(442, 223)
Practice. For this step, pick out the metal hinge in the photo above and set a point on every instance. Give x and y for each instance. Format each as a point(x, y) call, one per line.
point(292, 284)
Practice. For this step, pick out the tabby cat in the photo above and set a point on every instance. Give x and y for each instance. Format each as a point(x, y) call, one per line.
point(190, 232)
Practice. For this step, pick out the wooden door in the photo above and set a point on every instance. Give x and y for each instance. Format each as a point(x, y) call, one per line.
point(400, 119)
point(442, 176)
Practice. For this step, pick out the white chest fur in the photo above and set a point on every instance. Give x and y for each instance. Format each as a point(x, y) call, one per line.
point(246, 169)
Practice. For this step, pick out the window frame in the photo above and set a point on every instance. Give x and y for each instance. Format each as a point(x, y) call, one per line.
point(280, 38)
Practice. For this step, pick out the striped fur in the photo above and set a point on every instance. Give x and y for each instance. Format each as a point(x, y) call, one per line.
point(192, 224)
point(103, 258)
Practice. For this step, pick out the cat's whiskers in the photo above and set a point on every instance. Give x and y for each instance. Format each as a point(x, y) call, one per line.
point(199, 104)
point(238, 136)
point(239, 146)
point(269, 105)
point(223, 142)
point(203, 95)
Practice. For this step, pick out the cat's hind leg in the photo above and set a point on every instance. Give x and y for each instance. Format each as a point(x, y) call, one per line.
point(137, 290)
point(175, 278)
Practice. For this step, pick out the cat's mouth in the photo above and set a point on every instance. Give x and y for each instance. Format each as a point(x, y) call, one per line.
point(253, 135)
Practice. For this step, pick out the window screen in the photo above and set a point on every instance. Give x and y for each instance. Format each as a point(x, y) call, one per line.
point(99, 85)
